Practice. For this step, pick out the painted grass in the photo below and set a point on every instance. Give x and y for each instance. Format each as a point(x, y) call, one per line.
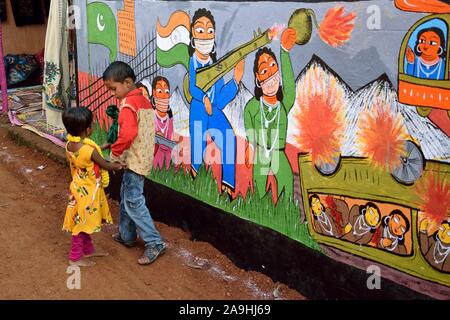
point(284, 217)
point(99, 135)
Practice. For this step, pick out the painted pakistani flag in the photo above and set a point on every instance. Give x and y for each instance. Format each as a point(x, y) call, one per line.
point(172, 41)
point(102, 27)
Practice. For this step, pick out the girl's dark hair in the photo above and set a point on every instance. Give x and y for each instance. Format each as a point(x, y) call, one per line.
point(154, 82)
point(439, 32)
point(258, 90)
point(197, 15)
point(141, 85)
point(118, 71)
point(397, 212)
point(77, 120)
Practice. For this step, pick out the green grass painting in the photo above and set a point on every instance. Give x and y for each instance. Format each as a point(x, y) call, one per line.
point(284, 217)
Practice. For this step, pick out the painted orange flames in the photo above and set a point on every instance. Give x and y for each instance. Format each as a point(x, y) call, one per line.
point(320, 125)
point(336, 28)
point(382, 136)
point(434, 195)
point(319, 116)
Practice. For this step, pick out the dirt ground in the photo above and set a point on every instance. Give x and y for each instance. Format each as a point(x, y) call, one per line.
point(34, 249)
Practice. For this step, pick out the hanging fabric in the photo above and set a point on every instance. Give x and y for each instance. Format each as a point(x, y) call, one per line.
point(3, 85)
point(56, 70)
point(2, 10)
point(27, 12)
point(56, 75)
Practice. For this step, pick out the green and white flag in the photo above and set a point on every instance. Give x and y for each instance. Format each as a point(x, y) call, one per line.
point(102, 27)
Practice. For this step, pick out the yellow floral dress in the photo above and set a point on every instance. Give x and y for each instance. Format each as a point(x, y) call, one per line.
point(88, 206)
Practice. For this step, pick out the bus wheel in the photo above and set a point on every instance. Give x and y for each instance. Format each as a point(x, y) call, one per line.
point(411, 166)
point(327, 169)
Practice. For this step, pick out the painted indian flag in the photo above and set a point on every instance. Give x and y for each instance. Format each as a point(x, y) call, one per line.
point(172, 40)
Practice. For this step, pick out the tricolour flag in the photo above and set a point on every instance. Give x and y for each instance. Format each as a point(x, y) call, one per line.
point(172, 41)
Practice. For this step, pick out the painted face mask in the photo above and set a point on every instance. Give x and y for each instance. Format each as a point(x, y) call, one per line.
point(205, 46)
point(270, 86)
point(161, 104)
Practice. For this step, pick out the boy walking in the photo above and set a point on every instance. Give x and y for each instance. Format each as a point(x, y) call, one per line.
point(134, 147)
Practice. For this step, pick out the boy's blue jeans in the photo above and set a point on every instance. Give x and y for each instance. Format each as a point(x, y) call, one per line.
point(134, 214)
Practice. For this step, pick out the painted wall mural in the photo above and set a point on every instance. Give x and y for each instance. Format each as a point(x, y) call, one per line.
point(310, 121)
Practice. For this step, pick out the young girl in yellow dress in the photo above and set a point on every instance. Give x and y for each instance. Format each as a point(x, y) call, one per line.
point(87, 207)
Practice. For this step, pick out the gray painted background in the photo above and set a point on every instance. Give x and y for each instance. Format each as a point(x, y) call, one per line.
point(366, 56)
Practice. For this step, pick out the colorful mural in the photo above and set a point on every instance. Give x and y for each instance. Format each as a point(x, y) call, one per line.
point(297, 123)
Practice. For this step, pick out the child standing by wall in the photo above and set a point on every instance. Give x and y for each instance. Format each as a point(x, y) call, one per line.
point(134, 147)
point(87, 206)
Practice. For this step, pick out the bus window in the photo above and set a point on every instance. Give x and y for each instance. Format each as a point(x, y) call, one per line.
point(426, 52)
point(375, 224)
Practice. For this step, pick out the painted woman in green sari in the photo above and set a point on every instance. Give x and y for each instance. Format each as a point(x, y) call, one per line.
point(266, 117)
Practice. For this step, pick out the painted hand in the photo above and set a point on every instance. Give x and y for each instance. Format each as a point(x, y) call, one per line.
point(288, 38)
point(386, 242)
point(239, 71)
point(423, 226)
point(410, 56)
point(208, 106)
point(248, 156)
point(348, 228)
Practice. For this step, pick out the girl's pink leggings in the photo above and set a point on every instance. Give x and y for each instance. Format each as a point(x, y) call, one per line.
point(81, 245)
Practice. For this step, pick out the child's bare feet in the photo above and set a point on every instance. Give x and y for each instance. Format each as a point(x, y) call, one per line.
point(82, 263)
point(97, 253)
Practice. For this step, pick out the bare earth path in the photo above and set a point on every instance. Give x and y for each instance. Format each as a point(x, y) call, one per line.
point(34, 249)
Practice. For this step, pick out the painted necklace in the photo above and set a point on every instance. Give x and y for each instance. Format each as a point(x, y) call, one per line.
point(266, 123)
point(440, 250)
point(211, 92)
point(325, 223)
point(162, 120)
point(361, 225)
point(428, 74)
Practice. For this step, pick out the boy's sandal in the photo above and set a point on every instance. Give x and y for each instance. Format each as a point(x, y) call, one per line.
point(117, 237)
point(151, 253)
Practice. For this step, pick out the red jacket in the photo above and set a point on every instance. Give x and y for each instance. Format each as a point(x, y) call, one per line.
point(128, 123)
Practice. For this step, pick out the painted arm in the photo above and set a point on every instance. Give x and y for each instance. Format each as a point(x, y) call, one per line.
point(249, 124)
point(195, 91)
point(424, 242)
point(410, 68)
point(410, 61)
point(288, 80)
point(227, 92)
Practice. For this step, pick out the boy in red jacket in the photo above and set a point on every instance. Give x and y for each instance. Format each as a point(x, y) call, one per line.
point(134, 147)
